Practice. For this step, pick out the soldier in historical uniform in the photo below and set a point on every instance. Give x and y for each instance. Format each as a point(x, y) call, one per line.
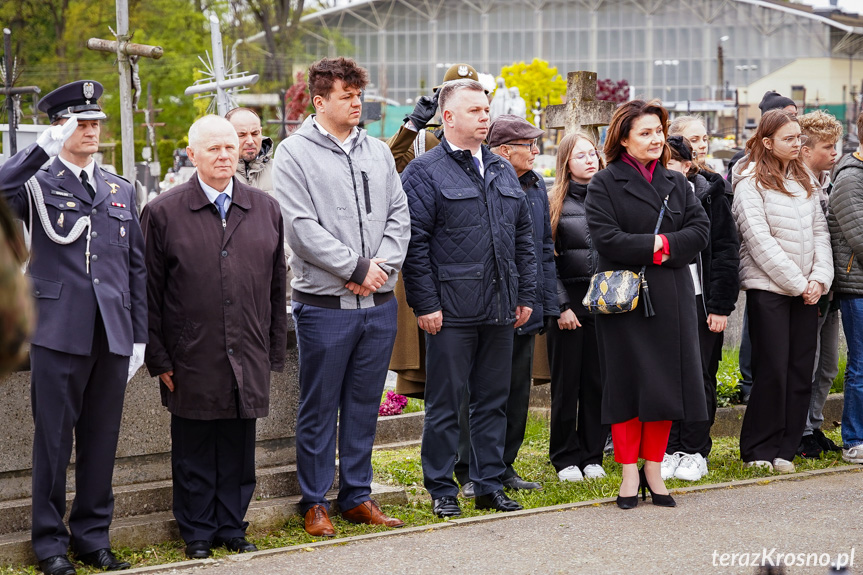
point(88, 276)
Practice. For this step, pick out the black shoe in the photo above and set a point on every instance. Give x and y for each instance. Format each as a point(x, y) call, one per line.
point(655, 498)
point(516, 482)
point(103, 559)
point(496, 500)
point(237, 544)
point(198, 549)
point(609, 445)
point(809, 447)
point(57, 565)
point(446, 506)
point(825, 442)
point(467, 489)
point(627, 502)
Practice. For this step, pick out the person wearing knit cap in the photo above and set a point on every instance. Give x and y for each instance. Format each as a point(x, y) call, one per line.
point(773, 100)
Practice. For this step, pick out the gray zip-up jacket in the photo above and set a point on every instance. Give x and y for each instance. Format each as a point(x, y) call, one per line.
point(341, 210)
point(846, 225)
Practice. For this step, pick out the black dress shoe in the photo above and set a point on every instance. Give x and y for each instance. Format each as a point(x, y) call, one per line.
point(57, 565)
point(516, 482)
point(467, 489)
point(496, 500)
point(198, 549)
point(446, 506)
point(238, 544)
point(103, 559)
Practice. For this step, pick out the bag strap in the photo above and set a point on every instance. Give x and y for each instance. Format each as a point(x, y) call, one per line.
point(656, 229)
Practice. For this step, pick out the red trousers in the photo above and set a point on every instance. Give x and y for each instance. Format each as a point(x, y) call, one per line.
point(633, 439)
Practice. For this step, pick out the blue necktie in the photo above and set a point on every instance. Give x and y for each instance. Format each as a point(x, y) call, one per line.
point(220, 203)
point(476, 163)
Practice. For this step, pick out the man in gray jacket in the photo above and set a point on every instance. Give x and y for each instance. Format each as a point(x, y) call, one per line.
point(348, 226)
point(845, 219)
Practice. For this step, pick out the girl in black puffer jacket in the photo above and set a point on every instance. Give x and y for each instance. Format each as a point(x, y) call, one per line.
point(715, 275)
point(577, 434)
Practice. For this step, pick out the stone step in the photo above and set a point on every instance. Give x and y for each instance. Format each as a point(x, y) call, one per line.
point(399, 428)
point(159, 527)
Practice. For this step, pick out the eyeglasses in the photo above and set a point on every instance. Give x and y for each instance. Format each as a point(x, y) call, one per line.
point(789, 141)
point(533, 144)
point(582, 157)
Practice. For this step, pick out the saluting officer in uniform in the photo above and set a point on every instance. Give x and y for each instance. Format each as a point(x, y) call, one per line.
point(88, 276)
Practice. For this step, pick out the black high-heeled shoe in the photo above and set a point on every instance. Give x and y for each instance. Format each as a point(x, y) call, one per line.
point(655, 498)
point(627, 502)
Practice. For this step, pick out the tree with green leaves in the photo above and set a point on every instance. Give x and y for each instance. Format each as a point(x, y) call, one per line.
point(535, 81)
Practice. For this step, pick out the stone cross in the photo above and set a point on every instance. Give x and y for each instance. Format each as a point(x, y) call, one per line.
point(123, 49)
point(582, 111)
point(218, 79)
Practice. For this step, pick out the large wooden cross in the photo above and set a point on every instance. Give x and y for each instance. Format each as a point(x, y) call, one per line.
point(123, 49)
point(582, 111)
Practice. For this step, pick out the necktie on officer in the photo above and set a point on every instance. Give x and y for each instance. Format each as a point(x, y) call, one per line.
point(476, 163)
point(85, 181)
point(220, 203)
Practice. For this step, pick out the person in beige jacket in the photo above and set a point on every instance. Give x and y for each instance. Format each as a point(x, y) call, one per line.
point(786, 264)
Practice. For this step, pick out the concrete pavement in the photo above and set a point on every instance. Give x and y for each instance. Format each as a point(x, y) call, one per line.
point(813, 516)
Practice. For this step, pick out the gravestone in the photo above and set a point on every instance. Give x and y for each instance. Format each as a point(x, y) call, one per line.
point(582, 111)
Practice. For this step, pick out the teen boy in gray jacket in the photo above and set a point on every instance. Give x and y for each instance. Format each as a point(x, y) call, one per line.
point(348, 226)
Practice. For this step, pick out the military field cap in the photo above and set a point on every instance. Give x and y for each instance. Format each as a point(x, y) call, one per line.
point(78, 99)
point(508, 127)
point(459, 72)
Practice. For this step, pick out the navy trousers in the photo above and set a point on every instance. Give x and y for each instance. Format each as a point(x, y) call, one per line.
point(213, 471)
point(344, 356)
point(479, 358)
point(80, 395)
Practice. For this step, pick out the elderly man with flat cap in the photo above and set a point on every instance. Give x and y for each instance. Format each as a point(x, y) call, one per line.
point(515, 140)
point(88, 276)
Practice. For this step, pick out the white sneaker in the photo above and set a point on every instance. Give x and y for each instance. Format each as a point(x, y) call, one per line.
point(783, 466)
point(759, 463)
point(692, 467)
point(669, 464)
point(571, 473)
point(594, 471)
point(853, 454)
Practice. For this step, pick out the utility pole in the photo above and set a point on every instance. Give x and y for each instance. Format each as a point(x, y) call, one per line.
point(122, 48)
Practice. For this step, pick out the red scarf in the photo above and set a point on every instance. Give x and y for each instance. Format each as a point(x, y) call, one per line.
point(647, 171)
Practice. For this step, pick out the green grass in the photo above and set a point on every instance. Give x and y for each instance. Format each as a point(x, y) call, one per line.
point(403, 468)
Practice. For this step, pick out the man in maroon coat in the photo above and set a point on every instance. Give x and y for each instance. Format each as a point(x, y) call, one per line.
point(217, 323)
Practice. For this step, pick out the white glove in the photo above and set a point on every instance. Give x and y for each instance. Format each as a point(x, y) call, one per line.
point(137, 359)
point(51, 140)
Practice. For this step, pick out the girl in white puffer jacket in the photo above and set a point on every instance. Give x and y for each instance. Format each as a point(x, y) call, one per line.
point(786, 264)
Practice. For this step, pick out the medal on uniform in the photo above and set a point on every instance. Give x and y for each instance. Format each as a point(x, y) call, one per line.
point(61, 172)
point(122, 231)
point(114, 187)
point(61, 219)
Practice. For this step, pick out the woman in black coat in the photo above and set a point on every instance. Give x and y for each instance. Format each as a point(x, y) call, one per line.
point(577, 433)
point(651, 370)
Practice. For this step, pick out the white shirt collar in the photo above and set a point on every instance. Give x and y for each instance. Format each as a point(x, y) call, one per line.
point(478, 156)
point(347, 144)
point(213, 193)
point(90, 168)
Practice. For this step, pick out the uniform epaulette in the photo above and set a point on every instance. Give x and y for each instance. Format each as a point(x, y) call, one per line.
point(115, 175)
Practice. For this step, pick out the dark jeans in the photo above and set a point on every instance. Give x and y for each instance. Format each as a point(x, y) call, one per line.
point(478, 358)
point(517, 407)
point(694, 436)
point(577, 434)
point(783, 331)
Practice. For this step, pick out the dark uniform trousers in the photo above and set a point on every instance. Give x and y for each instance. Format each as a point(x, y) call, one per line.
point(213, 468)
point(478, 358)
point(577, 433)
point(517, 407)
point(694, 436)
point(783, 331)
point(83, 393)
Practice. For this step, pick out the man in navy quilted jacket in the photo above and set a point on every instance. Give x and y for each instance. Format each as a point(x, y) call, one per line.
point(470, 279)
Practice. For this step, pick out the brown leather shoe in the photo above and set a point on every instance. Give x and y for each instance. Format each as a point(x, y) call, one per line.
point(369, 512)
point(317, 522)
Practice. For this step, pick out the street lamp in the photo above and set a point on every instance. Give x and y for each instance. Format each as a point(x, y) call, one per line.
point(720, 70)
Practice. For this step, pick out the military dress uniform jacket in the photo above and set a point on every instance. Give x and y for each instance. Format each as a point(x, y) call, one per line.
point(68, 298)
point(217, 300)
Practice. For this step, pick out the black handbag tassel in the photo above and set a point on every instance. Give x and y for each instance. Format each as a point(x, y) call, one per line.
point(645, 295)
